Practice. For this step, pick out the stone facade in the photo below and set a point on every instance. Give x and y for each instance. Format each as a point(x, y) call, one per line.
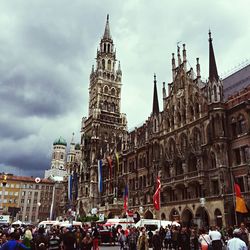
point(195, 144)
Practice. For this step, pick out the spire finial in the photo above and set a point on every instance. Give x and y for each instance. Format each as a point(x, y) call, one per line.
point(107, 29)
point(213, 73)
point(209, 34)
point(155, 98)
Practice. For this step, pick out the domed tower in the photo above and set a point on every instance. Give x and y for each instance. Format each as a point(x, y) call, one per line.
point(58, 161)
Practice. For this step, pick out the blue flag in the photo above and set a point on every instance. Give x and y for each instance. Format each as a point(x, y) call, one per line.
point(100, 176)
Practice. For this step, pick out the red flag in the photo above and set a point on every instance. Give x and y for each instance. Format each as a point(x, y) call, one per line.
point(156, 197)
point(240, 205)
point(110, 166)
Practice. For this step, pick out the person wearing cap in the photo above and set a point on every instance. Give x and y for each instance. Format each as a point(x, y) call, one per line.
point(236, 243)
point(215, 236)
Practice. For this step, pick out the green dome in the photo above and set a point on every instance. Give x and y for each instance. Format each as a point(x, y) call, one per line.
point(77, 147)
point(60, 141)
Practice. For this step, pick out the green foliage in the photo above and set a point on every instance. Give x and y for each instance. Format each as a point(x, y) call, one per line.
point(87, 218)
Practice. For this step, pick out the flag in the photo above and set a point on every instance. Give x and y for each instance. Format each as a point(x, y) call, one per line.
point(126, 198)
point(110, 166)
point(100, 176)
point(75, 180)
point(117, 160)
point(240, 205)
point(156, 197)
point(70, 184)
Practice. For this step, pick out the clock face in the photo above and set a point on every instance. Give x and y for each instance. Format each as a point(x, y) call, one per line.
point(179, 93)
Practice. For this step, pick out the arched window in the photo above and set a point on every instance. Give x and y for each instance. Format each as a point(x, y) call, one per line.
point(213, 160)
point(106, 89)
point(109, 64)
point(103, 64)
point(104, 47)
point(108, 48)
point(172, 147)
point(105, 106)
point(197, 110)
point(191, 111)
point(178, 117)
point(112, 106)
point(241, 124)
point(183, 143)
point(215, 93)
point(197, 138)
point(113, 91)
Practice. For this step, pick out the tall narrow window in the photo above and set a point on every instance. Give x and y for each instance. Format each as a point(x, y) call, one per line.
point(109, 64)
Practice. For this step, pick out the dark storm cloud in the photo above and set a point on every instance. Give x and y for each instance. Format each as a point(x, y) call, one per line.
point(47, 49)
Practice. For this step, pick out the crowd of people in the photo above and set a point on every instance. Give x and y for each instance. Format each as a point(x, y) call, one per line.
point(131, 238)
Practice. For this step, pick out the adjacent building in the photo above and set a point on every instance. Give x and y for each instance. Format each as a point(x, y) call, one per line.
point(32, 198)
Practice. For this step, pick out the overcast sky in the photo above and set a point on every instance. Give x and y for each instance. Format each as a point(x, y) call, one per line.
point(47, 48)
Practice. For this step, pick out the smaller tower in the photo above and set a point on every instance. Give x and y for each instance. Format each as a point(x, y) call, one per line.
point(58, 162)
point(215, 85)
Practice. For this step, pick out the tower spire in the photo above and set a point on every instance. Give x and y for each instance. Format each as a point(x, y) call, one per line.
point(213, 73)
point(106, 34)
point(155, 98)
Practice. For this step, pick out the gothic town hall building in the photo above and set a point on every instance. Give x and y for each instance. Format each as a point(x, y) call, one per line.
point(197, 144)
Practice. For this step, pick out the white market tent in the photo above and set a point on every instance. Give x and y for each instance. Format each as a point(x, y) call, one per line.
point(18, 222)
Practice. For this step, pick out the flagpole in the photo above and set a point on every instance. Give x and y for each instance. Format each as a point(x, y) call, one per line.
point(234, 199)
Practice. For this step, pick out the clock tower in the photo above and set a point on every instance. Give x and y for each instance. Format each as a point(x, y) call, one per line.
point(102, 131)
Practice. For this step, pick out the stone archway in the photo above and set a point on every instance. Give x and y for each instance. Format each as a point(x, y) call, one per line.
point(110, 215)
point(174, 215)
point(202, 217)
point(187, 217)
point(163, 216)
point(148, 215)
point(218, 217)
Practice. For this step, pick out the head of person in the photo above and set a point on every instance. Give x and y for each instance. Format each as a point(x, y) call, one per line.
point(236, 233)
point(28, 234)
point(41, 230)
point(68, 240)
point(242, 225)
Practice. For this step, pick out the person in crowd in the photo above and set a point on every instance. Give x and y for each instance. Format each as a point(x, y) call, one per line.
point(236, 243)
point(215, 236)
point(204, 239)
point(150, 236)
point(3, 238)
point(184, 239)
point(41, 240)
point(87, 242)
point(168, 238)
point(95, 237)
point(14, 243)
point(142, 241)
point(114, 234)
point(244, 233)
point(156, 241)
point(54, 241)
point(27, 239)
point(175, 233)
point(68, 241)
point(132, 239)
point(79, 238)
point(122, 239)
point(194, 243)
